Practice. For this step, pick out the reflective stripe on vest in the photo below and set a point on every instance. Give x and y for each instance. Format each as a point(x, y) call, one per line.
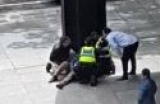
point(105, 55)
point(87, 55)
point(98, 42)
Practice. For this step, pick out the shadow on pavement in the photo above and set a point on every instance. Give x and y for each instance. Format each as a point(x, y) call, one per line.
point(109, 91)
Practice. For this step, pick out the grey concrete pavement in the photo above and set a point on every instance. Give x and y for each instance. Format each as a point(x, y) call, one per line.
point(26, 39)
point(140, 18)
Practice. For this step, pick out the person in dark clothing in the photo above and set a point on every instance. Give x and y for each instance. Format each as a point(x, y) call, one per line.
point(59, 53)
point(59, 64)
point(126, 46)
point(147, 88)
point(65, 72)
point(104, 61)
point(87, 60)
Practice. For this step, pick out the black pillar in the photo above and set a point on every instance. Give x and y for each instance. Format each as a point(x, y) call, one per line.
point(81, 17)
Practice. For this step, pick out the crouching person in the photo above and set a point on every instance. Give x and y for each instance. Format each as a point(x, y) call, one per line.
point(59, 64)
point(61, 73)
point(104, 61)
point(59, 53)
point(65, 72)
point(87, 60)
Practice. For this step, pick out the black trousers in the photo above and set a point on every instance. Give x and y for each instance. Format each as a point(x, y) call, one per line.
point(129, 53)
point(105, 66)
point(88, 70)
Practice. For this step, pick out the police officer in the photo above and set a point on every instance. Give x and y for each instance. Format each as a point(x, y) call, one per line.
point(104, 60)
point(87, 61)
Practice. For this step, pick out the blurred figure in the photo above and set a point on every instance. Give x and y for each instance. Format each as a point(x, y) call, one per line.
point(104, 61)
point(94, 37)
point(87, 60)
point(147, 88)
point(59, 65)
point(65, 72)
point(126, 46)
point(59, 53)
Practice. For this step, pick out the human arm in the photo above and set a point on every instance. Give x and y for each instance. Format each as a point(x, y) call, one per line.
point(112, 42)
point(114, 45)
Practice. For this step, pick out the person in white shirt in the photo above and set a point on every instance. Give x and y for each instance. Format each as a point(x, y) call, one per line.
point(126, 45)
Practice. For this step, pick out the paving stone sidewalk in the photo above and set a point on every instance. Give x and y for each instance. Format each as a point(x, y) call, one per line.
point(26, 39)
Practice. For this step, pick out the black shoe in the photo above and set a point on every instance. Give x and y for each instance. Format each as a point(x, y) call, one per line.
point(84, 82)
point(93, 81)
point(112, 72)
point(48, 67)
point(122, 79)
point(60, 86)
point(53, 79)
point(132, 73)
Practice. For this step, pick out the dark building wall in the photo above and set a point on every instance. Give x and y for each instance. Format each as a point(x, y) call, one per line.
point(81, 17)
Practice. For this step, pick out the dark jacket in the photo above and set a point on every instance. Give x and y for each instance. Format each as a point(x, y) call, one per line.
point(60, 51)
point(147, 91)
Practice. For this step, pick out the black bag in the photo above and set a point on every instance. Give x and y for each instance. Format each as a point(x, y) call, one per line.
point(55, 53)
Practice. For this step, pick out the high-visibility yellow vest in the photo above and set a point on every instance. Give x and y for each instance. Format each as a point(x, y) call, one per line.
point(87, 55)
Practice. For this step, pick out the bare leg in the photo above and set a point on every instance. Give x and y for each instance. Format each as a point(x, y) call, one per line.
point(63, 66)
point(66, 80)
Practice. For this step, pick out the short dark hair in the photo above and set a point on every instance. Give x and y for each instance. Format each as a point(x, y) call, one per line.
point(107, 30)
point(146, 72)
